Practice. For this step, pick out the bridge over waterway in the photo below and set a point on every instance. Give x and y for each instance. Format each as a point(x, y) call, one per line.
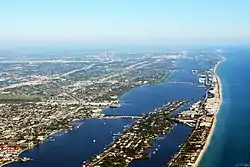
point(191, 123)
point(179, 82)
point(120, 117)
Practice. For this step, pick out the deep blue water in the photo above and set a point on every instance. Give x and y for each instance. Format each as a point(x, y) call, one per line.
point(146, 98)
point(167, 147)
point(230, 144)
point(72, 148)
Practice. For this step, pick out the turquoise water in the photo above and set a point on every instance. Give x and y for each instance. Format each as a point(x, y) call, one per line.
point(230, 144)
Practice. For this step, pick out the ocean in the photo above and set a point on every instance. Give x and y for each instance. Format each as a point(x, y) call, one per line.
point(230, 144)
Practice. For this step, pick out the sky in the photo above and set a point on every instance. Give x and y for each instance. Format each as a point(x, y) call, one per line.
point(124, 21)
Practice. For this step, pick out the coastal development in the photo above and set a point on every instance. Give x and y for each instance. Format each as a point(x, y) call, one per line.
point(39, 98)
point(202, 115)
point(136, 140)
point(124, 83)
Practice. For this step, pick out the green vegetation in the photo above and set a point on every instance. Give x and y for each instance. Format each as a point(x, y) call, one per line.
point(14, 98)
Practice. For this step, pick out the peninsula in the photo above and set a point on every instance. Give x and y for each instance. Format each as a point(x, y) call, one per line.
point(136, 140)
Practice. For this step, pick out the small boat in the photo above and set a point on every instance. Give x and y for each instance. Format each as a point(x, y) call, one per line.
point(118, 134)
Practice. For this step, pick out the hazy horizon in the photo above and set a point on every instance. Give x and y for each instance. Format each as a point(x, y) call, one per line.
point(129, 22)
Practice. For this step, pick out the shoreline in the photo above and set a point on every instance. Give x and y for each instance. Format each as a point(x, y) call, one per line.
point(7, 163)
point(29, 148)
point(117, 149)
point(211, 132)
point(162, 80)
point(73, 127)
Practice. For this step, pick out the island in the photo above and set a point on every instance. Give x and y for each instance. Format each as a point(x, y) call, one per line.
point(137, 139)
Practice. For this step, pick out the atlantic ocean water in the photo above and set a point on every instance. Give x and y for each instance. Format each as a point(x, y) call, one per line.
point(72, 148)
point(230, 144)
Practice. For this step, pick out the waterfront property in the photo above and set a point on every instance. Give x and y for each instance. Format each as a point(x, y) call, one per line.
point(36, 111)
point(203, 116)
point(135, 140)
point(39, 98)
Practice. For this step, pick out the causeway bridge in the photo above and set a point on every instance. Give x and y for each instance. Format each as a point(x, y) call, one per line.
point(176, 82)
point(191, 123)
point(120, 117)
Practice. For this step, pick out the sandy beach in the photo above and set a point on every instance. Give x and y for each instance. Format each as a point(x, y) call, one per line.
point(208, 140)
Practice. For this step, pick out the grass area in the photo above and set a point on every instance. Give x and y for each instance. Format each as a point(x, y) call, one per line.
point(11, 97)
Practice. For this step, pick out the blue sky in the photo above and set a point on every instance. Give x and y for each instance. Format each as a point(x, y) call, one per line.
point(152, 21)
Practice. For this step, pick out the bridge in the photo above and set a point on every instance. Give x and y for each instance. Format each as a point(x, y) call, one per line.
point(119, 117)
point(191, 123)
point(188, 122)
point(176, 82)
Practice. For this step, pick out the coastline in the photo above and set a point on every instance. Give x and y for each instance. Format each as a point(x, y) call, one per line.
point(29, 148)
point(208, 140)
point(162, 80)
point(116, 149)
point(7, 163)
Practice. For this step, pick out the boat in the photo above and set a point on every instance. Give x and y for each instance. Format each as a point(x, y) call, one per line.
point(115, 105)
point(118, 134)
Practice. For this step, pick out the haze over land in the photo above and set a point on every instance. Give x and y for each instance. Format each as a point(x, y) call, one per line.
point(124, 83)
